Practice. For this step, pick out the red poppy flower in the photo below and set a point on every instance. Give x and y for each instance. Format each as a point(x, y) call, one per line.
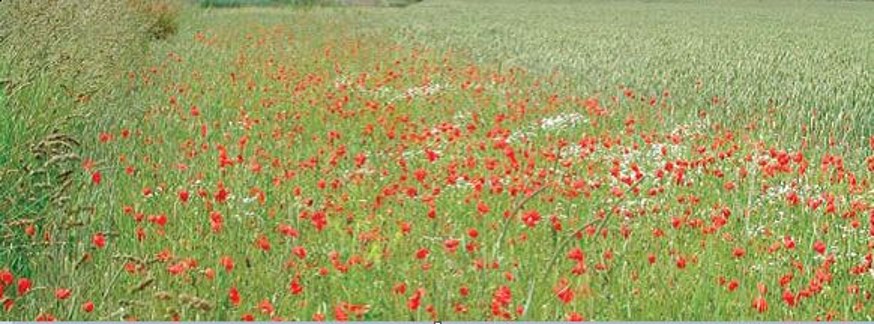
point(576, 254)
point(575, 317)
point(299, 251)
point(216, 220)
point(88, 307)
point(763, 289)
point(295, 287)
point(62, 293)
point(263, 243)
point(96, 177)
point(422, 253)
point(482, 208)
point(227, 263)
point(416, 300)
point(176, 268)
point(266, 307)
point(732, 285)
point(788, 242)
point(340, 314)
point(563, 291)
point(8, 303)
point(209, 273)
point(24, 285)
point(6, 278)
point(234, 296)
point(819, 247)
point(789, 298)
point(451, 245)
point(99, 240)
point(738, 252)
point(400, 288)
point(45, 317)
point(531, 218)
point(760, 304)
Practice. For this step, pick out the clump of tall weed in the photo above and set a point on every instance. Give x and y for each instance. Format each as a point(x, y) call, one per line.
point(160, 17)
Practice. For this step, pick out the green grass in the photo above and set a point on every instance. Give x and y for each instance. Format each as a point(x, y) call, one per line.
point(335, 110)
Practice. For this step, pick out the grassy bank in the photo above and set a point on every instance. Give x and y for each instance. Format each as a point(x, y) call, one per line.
point(64, 67)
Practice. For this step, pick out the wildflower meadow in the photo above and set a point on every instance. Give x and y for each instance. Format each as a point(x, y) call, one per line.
point(438, 160)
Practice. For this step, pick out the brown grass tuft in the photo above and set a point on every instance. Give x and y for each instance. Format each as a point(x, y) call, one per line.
point(160, 17)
